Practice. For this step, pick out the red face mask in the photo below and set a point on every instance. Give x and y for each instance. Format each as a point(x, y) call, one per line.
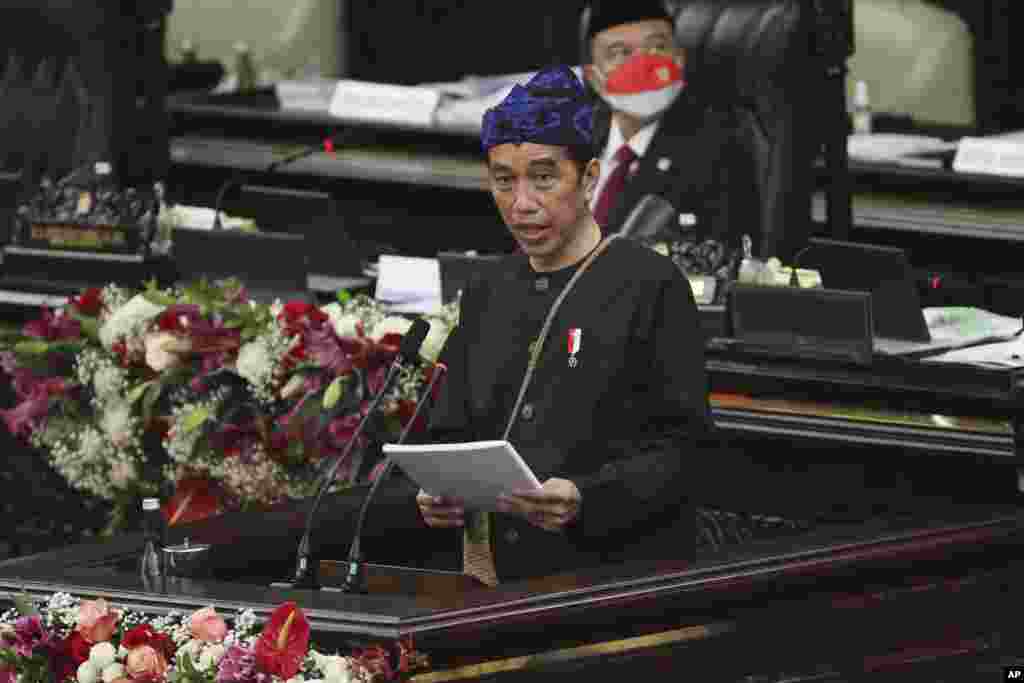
point(644, 86)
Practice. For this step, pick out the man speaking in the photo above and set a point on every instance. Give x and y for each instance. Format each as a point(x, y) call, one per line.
point(583, 351)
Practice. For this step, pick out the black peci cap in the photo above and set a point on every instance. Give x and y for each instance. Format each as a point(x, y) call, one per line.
point(607, 13)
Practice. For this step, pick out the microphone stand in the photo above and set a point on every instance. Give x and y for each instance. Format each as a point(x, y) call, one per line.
point(354, 576)
point(328, 145)
point(306, 571)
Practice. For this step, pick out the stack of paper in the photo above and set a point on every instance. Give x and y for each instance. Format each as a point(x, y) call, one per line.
point(476, 472)
point(408, 284)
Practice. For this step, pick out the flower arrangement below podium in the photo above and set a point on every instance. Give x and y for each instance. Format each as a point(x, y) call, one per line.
point(88, 641)
point(228, 402)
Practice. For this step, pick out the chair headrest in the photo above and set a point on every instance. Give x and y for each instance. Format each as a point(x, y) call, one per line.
point(739, 47)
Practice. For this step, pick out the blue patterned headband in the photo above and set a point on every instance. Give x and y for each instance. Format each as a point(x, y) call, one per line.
point(552, 109)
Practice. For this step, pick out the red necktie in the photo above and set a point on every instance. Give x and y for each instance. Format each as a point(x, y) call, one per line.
point(624, 158)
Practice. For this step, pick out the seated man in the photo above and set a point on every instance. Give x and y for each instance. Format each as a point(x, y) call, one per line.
point(614, 408)
point(661, 139)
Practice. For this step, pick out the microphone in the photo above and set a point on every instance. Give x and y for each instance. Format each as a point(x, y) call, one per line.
point(306, 571)
point(794, 281)
point(650, 215)
point(353, 578)
point(329, 145)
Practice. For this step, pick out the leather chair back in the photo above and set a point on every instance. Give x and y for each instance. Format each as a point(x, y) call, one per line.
point(753, 58)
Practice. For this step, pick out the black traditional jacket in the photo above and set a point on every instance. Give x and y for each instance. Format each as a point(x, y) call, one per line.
point(625, 416)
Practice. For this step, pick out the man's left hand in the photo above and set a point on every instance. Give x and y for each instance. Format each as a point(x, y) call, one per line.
point(552, 507)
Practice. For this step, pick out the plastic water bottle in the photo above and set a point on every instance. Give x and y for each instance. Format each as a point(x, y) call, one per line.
point(861, 113)
point(151, 563)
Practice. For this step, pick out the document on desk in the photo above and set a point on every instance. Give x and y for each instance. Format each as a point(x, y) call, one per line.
point(407, 284)
point(954, 327)
point(476, 471)
point(1007, 354)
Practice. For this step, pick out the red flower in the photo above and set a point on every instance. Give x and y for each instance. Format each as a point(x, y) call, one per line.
point(78, 648)
point(52, 326)
point(145, 635)
point(194, 499)
point(89, 303)
point(284, 642)
point(68, 655)
point(138, 636)
point(406, 409)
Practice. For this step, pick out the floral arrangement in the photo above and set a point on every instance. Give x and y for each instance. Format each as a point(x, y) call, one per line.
point(88, 641)
point(202, 395)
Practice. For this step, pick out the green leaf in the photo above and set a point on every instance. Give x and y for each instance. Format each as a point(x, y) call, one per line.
point(195, 419)
point(334, 393)
point(23, 603)
point(152, 395)
point(344, 296)
point(139, 391)
point(32, 348)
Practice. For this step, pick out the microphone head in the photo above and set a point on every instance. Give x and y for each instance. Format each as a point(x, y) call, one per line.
point(652, 214)
point(413, 340)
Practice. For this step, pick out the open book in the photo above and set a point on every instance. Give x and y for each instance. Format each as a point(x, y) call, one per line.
point(477, 472)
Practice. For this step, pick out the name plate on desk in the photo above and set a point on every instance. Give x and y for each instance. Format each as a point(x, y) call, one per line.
point(820, 324)
point(383, 103)
point(994, 156)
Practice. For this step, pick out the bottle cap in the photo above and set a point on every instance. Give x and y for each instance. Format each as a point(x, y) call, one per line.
point(150, 504)
point(860, 94)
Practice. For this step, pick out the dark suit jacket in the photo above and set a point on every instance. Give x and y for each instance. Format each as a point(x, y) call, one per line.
point(709, 172)
point(627, 423)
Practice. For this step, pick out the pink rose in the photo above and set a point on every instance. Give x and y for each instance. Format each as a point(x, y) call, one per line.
point(96, 621)
point(207, 626)
point(146, 663)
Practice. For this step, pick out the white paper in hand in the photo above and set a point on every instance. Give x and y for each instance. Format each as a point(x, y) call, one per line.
point(477, 472)
point(408, 284)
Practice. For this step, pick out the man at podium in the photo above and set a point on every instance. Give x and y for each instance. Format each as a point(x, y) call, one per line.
point(582, 351)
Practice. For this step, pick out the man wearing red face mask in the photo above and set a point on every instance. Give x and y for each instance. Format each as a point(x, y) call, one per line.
point(661, 139)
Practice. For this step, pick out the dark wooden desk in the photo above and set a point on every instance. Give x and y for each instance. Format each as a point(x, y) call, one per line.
point(836, 604)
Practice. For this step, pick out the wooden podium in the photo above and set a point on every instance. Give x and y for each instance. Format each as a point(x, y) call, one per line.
point(383, 579)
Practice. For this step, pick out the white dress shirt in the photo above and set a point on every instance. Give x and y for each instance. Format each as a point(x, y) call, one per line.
point(639, 143)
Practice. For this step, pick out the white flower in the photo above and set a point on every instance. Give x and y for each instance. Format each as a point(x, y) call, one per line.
point(87, 672)
point(117, 423)
point(390, 325)
point(102, 655)
point(435, 340)
point(128, 320)
point(211, 656)
point(164, 350)
point(108, 382)
point(122, 652)
point(344, 323)
point(113, 672)
point(254, 363)
point(335, 668)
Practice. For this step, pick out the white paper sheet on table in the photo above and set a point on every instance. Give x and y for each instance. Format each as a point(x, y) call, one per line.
point(408, 284)
point(954, 327)
point(477, 471)
point(1006, 354)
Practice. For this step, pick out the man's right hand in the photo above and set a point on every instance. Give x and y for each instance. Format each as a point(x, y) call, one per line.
point(439, 512)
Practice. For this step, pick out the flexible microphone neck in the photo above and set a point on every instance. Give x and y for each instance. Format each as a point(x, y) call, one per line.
point(329, 145)
point(306, 570)
point(794, 281)
point(353, 577)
